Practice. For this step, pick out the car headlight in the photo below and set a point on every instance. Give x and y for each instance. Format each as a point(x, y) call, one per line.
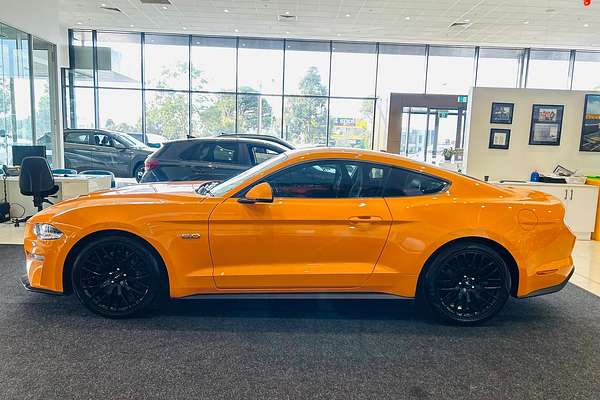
point(46, 232)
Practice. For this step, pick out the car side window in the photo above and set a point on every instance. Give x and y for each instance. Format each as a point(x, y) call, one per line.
point(225, 153)
point(261, 154)
point(329, 179)
point(101, 139)
point(77, 138)
point(409, 183)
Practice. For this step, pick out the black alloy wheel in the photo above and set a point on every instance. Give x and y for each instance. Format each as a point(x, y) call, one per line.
point(116, 276)
point(467, 283)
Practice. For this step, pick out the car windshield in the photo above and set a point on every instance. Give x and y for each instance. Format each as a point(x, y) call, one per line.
point(129, 140)
point(224, 187)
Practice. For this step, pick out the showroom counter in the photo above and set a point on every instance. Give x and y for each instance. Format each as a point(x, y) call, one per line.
point(580, 201)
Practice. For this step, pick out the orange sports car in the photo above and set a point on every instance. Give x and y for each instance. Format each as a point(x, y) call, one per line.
point(336, 222)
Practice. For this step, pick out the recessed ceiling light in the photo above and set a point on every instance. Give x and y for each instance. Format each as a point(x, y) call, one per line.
point(226, 10)
point(184, 28)
point(287, 32)
point(467, 20)
point(287, 13)
point(407, 18)
point(339, 34)
point(103, 5)
point(131, 26)
point(236, 30)
point(79, 23)
point(347, 15)
point(525, 22)
point(164, 7)
point(586, 25)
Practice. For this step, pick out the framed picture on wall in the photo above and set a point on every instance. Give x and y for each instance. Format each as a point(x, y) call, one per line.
point(499, 138)
point(590, 131)
point(502, 113)
point(546, 124)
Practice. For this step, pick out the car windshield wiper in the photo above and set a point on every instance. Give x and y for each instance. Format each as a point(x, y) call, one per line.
point(204, 189)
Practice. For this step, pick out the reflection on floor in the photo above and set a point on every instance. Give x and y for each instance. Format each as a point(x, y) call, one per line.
point(586, 257)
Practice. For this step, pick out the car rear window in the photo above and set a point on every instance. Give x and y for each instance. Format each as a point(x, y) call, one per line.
point(409, 183)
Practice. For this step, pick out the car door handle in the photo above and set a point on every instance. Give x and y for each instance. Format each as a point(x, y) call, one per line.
point(364, 218)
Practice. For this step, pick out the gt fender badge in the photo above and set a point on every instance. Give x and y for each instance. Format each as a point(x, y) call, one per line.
point(189, 236)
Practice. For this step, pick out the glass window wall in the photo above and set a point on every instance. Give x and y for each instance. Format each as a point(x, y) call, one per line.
point(586, 74)
point(548, 69)
point(213, 64)
point(309, 92)
point(166, 62)
point(450, 70)
point(499, 67)
point(119, 60)
point(347, 59)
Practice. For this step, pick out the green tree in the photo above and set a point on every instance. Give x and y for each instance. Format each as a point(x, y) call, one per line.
point(306, 117)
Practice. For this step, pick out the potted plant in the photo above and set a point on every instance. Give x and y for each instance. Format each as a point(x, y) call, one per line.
point(448, 153)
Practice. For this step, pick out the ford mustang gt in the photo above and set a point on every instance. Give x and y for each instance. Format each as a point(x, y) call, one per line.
point(331, 222)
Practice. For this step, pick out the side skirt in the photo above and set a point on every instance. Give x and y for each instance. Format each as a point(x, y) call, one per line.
point(295, 296)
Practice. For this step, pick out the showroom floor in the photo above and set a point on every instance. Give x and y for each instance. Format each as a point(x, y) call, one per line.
point(51, 347)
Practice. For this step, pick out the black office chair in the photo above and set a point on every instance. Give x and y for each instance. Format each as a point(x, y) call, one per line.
point(36, 180)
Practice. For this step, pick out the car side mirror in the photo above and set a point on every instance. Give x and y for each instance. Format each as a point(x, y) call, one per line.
point(261, 193)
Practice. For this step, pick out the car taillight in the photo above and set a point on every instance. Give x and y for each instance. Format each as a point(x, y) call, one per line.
point(150, 164)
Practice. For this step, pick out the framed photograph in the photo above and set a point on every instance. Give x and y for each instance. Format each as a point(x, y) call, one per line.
point(502, 113)
point(499, 138)
point(590, 131)
point(546, 124)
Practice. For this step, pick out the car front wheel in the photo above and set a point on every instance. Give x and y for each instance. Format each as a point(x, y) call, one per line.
point(138, 172)
point(116, 276)
point(467, 283)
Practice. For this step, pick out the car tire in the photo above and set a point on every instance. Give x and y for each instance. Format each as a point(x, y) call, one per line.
point(117, 276)
point(138, 172)
point(466, 283)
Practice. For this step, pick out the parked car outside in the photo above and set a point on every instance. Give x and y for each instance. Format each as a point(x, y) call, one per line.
point(111, 151)
point(214, 158)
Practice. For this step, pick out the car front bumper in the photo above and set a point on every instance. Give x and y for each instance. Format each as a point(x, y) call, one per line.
point(27, 285)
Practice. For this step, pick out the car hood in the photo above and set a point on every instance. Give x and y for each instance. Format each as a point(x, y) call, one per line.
point(152, 193)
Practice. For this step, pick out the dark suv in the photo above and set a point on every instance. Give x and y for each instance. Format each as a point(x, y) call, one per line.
point(212, 158)
point(116, 152)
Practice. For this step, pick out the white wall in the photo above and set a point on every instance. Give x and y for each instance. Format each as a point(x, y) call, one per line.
point(521, 159)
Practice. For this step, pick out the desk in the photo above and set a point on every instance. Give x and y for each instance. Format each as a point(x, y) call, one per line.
point(68, 187)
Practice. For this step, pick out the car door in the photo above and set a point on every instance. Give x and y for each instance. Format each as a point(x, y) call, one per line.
point(325, 228)
point(78, 150)
point(106, 155)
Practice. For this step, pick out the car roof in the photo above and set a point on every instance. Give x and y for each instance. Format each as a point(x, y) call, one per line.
point(269, 138)
point(227, 139)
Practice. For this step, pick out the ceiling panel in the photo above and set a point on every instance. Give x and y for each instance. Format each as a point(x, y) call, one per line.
point(544, 23)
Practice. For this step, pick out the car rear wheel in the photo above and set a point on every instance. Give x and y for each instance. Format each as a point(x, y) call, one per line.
point(116, 276)
point(467, 283)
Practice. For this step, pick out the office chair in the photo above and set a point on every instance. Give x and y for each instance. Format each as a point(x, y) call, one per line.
point(101, 172)
point(36, 180)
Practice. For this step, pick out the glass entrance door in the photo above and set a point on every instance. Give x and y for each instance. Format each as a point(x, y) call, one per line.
point(427, 131)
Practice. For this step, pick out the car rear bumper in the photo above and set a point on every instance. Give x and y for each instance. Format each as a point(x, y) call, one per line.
point(550, 289)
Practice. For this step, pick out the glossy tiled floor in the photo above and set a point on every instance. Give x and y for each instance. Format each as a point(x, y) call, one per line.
point(586, 257)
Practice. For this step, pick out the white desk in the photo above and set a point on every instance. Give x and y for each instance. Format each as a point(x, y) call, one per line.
point(68, 187)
